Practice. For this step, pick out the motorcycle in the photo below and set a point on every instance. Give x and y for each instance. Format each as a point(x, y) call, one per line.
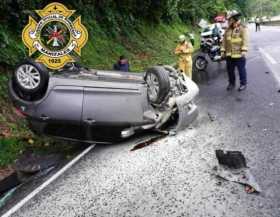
point(209, 46)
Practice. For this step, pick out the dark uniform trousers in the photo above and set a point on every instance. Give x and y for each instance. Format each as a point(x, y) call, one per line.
point(240, 64)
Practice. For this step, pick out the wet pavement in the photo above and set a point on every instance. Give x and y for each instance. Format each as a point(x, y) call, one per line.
point(173, 176)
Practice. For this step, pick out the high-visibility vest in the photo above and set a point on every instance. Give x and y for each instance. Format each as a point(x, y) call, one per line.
point(235, 42)
point(184, 51)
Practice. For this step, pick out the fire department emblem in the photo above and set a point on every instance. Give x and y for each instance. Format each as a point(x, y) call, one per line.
point(55, 36)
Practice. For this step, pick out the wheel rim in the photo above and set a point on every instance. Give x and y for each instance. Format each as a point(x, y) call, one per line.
point(200, 63)
point(28, 76)
point(153, 86)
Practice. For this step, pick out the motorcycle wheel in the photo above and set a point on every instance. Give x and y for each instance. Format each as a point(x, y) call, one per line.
point(200, 63)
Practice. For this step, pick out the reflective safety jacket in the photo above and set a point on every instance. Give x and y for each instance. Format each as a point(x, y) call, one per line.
point(235, 41)
point(184, 51)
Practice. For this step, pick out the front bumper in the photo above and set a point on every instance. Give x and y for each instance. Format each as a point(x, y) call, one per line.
point(187, 110)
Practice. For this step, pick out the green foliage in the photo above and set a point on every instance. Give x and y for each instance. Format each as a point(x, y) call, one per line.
point(3, 87)
point(144, 47)
point(263, 8)
point(9, 150)
point(11, 47)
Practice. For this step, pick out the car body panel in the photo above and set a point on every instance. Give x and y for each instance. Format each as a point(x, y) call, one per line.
point(61, 112)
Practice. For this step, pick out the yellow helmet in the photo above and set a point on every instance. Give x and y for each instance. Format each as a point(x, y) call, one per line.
point(182, 38)
point(233, 14)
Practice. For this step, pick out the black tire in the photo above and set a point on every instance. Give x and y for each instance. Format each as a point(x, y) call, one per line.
point(40, 80)
point(170, 69)
point(158, 82)
point(200, 63)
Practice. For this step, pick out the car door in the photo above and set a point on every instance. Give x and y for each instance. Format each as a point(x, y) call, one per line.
point(109, 110)
point(60, 113)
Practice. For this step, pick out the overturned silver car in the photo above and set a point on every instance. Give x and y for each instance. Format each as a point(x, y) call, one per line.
point(97, 106)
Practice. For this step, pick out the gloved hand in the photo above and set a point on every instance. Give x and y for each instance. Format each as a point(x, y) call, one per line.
point(243, 54)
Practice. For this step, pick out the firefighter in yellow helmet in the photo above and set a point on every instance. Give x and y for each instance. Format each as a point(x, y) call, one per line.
point(234, 49)
point(184, 50)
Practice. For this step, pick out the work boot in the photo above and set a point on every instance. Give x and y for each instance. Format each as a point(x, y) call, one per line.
point(230, 87)
point(242, 87)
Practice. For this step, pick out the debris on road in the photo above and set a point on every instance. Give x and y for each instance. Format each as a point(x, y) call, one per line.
point(238, 99)
point(232, 167)
point(147, 141)
point(271, 104)
point(249, 125)
point(266, 72)
point(231, 159)
point(250, 189)
point(211, 117)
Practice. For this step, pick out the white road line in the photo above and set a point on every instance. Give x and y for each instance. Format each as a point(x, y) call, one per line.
point(273, 62)
point(45, 184)
point(267, 55)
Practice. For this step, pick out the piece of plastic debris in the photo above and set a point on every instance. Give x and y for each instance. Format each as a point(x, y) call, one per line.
point(211, 117)
point(242, 176)
point(271, 104)
point(219, 183)
point(266, 72)
point(249, 189)
point(249, 125)
point(231, 159)
point(232, 167)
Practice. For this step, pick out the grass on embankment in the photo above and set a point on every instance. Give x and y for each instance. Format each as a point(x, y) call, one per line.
point(144, 46)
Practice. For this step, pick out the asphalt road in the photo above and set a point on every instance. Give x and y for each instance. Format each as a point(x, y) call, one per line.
point(173, 177)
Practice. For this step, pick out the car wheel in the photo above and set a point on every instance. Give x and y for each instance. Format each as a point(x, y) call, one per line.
point(200, 63)
point(158, 83)
point(31, 77)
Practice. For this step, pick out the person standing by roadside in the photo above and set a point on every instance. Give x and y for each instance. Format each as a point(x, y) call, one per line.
point(234, 49)
point(122, 64)
point(184, 50)
point(258, 24)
